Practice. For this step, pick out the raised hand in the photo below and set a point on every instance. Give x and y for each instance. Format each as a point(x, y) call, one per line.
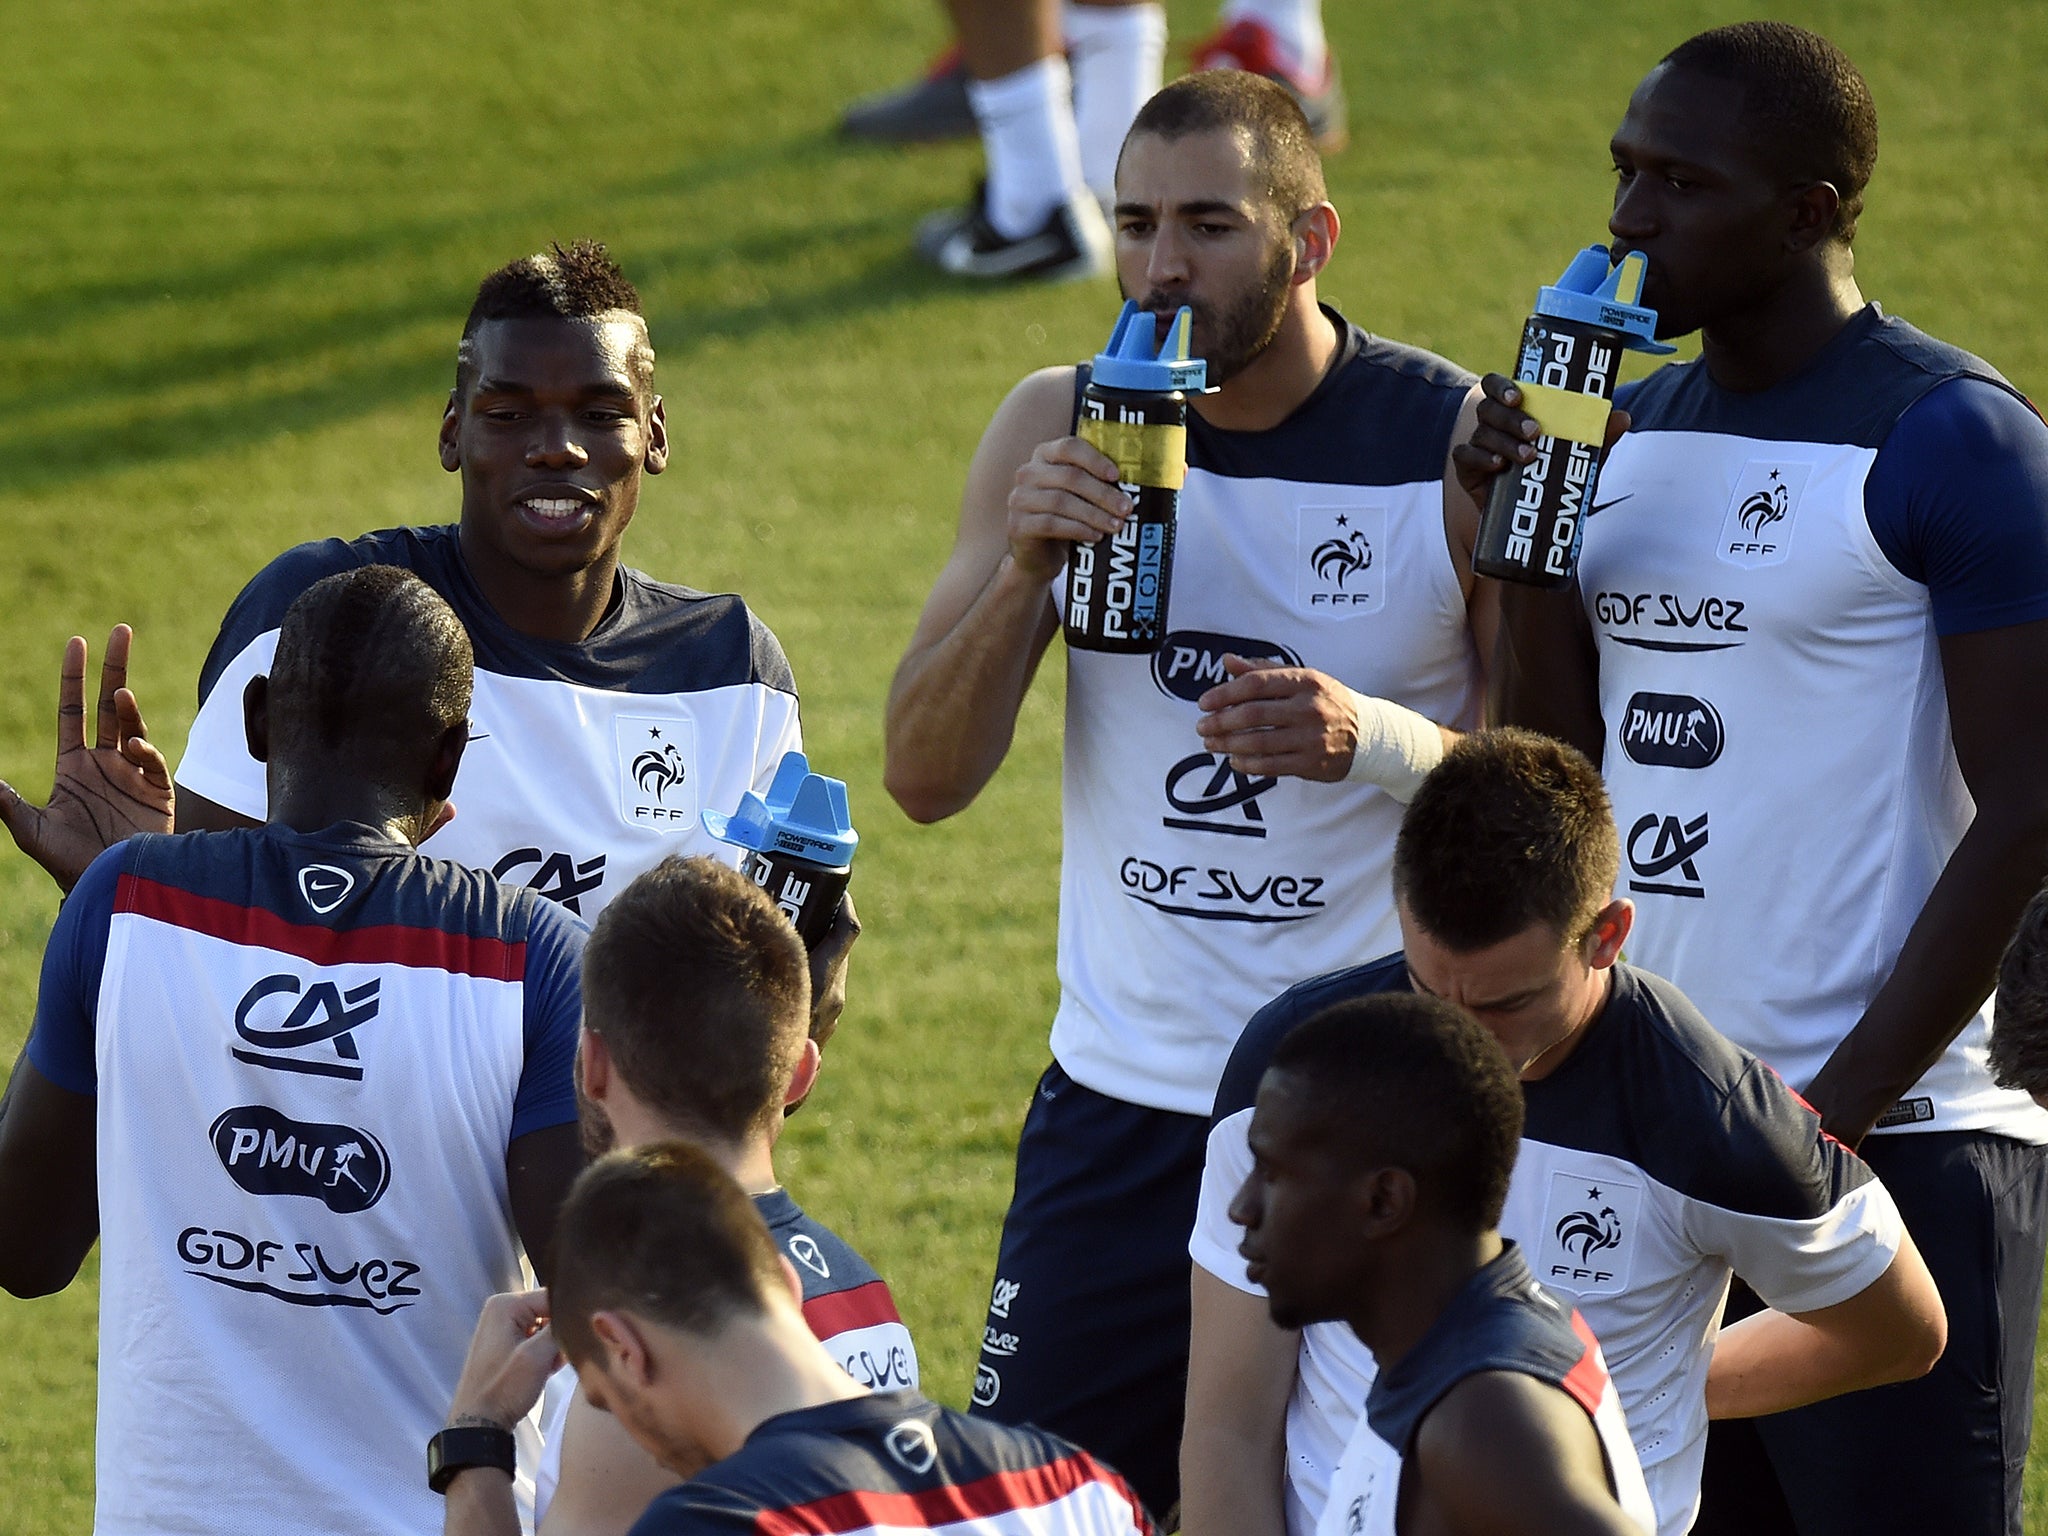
point(1271, 719)
point(1506, 434)
point(1066, 493)
point(103, 793)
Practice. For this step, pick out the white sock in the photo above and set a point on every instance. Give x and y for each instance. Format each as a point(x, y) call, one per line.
point(1296, 24)
point(1027, 133)
point(1118, 53)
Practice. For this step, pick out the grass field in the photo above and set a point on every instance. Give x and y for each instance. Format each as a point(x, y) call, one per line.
point(236, 245)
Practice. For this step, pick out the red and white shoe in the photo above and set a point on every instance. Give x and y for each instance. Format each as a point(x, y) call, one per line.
point(1249, 44)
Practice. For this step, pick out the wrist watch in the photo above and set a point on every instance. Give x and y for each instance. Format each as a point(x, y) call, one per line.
point(461, 1447)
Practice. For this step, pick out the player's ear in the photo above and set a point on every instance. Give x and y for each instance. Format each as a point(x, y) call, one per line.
point(1315, 240)
point(805, 1078)
point(451, 432)
point(446, 760)
point(1611, 927)
point(256, 717)
point(1383, 1201)
point(594, 1061)
point(1813, 215)
point(626, 1355)
point(657, 438)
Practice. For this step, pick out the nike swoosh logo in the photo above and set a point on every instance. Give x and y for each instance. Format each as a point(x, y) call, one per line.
point(1601, 506)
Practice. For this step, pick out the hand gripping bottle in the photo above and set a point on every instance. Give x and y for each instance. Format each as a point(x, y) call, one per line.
point(798, 842)
point(1135, 409)
point(1571, 352)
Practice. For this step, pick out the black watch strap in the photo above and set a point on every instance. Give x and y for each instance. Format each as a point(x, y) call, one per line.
point(468, 1445)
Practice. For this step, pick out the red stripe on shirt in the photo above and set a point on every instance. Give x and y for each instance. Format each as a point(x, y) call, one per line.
point(390, 944)
point(1586, 1381)
point(999, 1493)
point(861, 1306)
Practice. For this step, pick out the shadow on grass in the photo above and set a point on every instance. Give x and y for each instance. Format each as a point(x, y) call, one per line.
point(108, 407)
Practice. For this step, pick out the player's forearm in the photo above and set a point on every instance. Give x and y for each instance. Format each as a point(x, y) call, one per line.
point(1773, 1361)
point(1945, 969)
point(1545, 674)
point(1232, 1478)
point(953, 706)
point(480, 1503)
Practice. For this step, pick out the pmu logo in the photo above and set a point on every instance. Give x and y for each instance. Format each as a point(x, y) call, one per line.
point(323, 1015)
point(345, 1169)
point(1189, 662)
point(1663, 854)
point(559, 877)
point(1671, 730)
point(1762, 510)
point(1212, 796)
point(988, 1386)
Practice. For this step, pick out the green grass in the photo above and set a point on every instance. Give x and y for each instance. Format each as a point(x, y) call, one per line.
point(238, 242)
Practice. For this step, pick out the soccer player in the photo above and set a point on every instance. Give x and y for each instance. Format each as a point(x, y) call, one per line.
point(682, 1321)
point(1814, 581)
point(610, 708)
point(310, 1089)
point(2019, 1018)
point(695, 1005)
point(1656, 1158)
point(1052, 89)
point(1230, 809)
point(1381, 1148)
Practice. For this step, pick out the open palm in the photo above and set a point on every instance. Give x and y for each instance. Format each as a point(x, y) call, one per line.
point(113, 789)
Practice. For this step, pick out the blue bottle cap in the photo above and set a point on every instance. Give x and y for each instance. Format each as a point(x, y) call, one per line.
point(1592, 293)
point(804, 815)
point(1131, 361)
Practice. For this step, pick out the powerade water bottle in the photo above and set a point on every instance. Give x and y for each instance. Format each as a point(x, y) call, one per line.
point(1135, 409)
point(1571, 353)
point(799, 843)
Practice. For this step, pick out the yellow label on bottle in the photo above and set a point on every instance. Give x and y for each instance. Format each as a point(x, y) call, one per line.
point(1561, 413)
point(1146, 453)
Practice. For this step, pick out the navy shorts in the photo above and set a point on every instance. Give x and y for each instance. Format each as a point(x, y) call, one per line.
point(1087, 1331)
point(1946, 1453)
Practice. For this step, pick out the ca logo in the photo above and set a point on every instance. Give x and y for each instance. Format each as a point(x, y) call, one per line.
point(323, 1014)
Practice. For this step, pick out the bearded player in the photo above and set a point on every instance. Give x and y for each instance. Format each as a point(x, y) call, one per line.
point(1229, 811)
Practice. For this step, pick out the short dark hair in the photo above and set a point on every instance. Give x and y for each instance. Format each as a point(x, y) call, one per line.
point(701, 990)
point(1806, 105)
point(581, 282)
point(1511, 828)
point(1261, 112)
point(373, 665)
point(2019, 1016)
point(664, 1232)
point(1414, 1082)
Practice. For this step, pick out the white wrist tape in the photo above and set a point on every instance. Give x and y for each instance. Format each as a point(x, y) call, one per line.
point(1396, 747)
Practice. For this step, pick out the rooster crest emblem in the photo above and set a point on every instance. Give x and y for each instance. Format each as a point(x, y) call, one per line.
point(1339, 558)
point(1762, 508)
point(658, 772)
point(1590, 1233)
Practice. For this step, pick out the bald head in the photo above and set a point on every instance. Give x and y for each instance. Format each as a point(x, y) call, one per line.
point(372, 670)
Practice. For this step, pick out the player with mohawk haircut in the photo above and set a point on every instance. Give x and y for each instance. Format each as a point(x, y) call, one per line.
point(610, 707)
